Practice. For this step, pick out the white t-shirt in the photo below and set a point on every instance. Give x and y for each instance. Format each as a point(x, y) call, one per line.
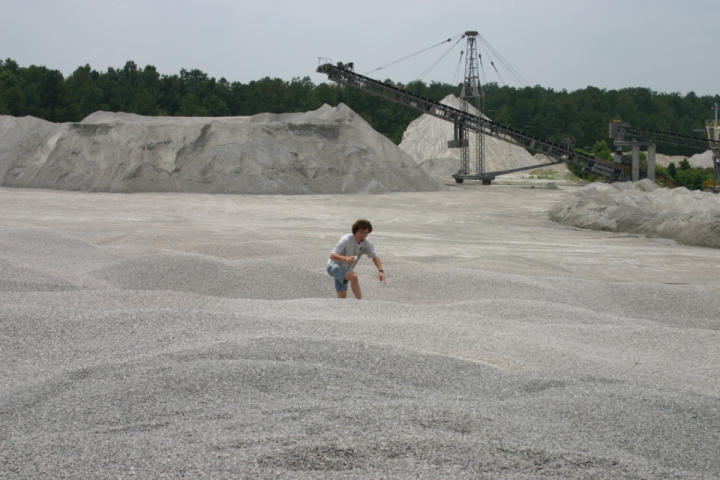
point(347, 246)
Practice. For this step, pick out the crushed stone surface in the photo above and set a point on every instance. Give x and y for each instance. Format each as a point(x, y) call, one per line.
point(168, 335)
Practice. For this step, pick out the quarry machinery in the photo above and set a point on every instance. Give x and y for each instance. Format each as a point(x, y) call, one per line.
point(470, 95)
point(466, 121)
point(624, 134)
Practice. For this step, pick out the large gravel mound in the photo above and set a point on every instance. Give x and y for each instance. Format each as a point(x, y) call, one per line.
point(426, 139)
point(689, 217)
point(329, 150)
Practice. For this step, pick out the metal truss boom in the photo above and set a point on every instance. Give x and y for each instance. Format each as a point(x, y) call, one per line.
point(344, 75)
point(621, 132)
point(624, 134)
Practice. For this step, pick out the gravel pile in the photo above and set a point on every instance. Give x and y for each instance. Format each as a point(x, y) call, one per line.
point(698, 160)
point(329, 150)
point(425, 139)
point(689, 217)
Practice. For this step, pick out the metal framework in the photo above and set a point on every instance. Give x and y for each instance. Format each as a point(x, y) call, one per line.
point(471, 95)
point(466, 121)
point(625, 134)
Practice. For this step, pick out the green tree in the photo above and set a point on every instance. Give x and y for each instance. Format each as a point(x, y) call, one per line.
point(12, 94)
point(691, 178)
point(601, 150)
point(82, 94)
point(215, 106)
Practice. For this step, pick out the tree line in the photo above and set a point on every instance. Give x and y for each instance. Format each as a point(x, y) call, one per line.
point(581, 116)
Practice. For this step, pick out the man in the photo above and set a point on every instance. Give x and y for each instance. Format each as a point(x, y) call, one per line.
point(346, 255)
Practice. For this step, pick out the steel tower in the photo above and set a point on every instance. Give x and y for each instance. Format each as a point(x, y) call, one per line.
point(472, 94)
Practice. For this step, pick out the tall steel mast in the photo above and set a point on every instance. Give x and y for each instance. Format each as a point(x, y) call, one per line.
point(472, 94)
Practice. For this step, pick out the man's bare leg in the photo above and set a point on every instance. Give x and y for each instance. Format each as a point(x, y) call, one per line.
point(342, 294)
point(354, 284)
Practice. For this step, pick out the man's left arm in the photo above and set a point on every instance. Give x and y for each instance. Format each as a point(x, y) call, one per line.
point(381, 272)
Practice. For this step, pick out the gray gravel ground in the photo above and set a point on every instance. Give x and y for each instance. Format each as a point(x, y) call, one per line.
point(196, 336)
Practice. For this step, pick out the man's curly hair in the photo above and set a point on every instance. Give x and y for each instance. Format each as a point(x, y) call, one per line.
point(361, 225)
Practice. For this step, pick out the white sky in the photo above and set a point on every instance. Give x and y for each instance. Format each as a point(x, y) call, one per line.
point(665, 45)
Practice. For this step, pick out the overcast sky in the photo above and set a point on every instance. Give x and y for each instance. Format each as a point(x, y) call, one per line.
point(665, 45)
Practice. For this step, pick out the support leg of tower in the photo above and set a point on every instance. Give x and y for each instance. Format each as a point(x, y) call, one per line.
point(635, 161)
point(651, 162)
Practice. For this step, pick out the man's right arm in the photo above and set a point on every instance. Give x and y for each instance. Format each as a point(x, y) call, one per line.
point(341, 258)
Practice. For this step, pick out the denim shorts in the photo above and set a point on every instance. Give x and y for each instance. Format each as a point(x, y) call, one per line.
point(338, 272)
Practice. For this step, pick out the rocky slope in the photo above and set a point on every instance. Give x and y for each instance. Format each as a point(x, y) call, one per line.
point(329, 150)
point(689, 217)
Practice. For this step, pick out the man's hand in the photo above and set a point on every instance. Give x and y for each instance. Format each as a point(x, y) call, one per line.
point(381, 277)
point(351, 259)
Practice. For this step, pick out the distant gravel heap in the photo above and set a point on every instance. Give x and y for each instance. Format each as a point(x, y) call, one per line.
point(689, 217)
point(426, 139)
point(699, 160)
point(329, 150)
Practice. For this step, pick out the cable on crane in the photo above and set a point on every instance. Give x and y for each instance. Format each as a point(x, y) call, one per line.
point(497, 72)
point(482, 86)
point(455, 79)
point(429, 69)
point(482, 69)
point(490, 52)
point(509, 67)
point(408, 56)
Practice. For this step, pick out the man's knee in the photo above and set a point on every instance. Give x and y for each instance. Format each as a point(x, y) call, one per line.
point(352, 276)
